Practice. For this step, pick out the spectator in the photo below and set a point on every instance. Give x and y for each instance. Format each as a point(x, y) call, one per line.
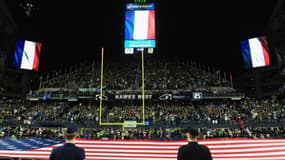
point(69, 151)
point(193, 150)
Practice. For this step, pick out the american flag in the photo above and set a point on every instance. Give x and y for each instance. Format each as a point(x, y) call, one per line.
point(221, 149)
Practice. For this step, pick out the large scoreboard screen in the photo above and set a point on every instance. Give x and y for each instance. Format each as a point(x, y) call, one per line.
point(139, 27)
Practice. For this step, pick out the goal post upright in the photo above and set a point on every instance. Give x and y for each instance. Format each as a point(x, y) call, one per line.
point(101, 86)
point(101, 95)
point(143, 91)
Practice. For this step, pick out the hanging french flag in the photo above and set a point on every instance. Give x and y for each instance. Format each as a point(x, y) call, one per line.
point(255, 52)
point(27, 55)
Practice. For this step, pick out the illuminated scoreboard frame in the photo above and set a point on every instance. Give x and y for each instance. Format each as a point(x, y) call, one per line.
point(140, 28)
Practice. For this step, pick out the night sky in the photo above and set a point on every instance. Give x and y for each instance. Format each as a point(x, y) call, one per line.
point(208, 32)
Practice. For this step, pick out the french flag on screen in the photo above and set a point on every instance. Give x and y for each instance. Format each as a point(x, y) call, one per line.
point(27, 55)
point(140, 25)
point(144, 25)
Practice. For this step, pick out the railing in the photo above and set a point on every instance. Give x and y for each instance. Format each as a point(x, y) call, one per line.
point(93, 93)
point(182, 124)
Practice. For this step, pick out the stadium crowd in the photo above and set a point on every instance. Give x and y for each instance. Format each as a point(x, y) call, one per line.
point(158, 74)
point(166, 113)
point(164, 119)
point(152, 133)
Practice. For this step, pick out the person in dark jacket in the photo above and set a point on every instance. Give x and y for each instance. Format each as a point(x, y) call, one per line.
point(193, 150)
point(69, 151)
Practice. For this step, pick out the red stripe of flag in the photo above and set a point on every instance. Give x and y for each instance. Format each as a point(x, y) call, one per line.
point(37, 56)
point(151, 25)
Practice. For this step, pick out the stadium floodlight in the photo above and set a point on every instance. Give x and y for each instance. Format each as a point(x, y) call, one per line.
point(29, 6)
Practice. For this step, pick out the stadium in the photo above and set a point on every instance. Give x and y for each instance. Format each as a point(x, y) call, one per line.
point(133, 75)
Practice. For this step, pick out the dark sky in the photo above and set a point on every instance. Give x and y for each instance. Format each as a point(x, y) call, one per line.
point(206, 31)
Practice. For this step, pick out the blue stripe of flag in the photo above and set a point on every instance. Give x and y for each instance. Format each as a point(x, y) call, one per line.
point(18, 54)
